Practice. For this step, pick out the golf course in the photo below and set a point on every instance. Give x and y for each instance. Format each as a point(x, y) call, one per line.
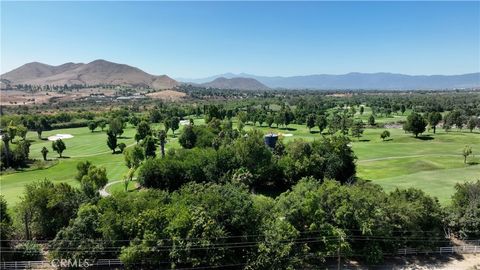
point(432, 162)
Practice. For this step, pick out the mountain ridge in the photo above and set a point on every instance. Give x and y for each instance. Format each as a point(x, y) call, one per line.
point(96, 72)
point(357, 80)
point(104, 72)
point(240, 83)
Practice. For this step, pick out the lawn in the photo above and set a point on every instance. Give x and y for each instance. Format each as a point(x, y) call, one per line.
point(433, 163)
point(85, 145)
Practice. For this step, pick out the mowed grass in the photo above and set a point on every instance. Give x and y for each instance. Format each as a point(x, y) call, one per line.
point(433, 163)
point(84, 146)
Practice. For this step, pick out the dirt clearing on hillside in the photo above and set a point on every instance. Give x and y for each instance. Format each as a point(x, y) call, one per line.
point(167, 95)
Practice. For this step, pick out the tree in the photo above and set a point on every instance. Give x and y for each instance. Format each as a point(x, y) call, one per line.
point(402, 109)
point(20, 154)
point(362, 109)
point(128, 178)
point(44, 153)
point(310, 121)
point(415, 124)
point(45, 208)
point(269, 120)
point(122, 147)
point(5, 227)
point(467, 151)
point(287, 116)
point(188, 138)
point(162, 139)
point(134, 120)
point(353, 111)
point(22, 131)
point(278, 119)
point(433, 119)
point(83, 231)
point(464, 211)
point(82, 169)
point(39, 129)
point(94, 180)
point(143, 130)
point(167, 124)
point(11, 131)
point(111, 141)
point(262, 117)
point(371, 120)
point(59, 146)
point(6, 153)
point(174, 122)
point(242, 117)
point(115, 126)
point(357, 129)
point(458, 119)
point(472, 123)
point(385, 134)
point(92, 125)
point(252, 154)
point(134, 156)
point(149, 146)
point(240, 125)
point(321, 122)
point(102, 124)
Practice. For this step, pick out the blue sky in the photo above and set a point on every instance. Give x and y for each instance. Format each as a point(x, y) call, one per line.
point(196, 39)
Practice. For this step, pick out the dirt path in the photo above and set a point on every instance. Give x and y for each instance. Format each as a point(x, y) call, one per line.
point(103, 191)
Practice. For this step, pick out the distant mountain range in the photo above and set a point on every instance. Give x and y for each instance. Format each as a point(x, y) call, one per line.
point(388, 81)
point(93, 73)
point(235, 83)
point(105, 72)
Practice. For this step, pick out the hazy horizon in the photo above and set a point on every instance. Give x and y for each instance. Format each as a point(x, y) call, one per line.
point(197, 40)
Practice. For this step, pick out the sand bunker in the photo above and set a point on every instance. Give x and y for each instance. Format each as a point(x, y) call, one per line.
point(287, 135)
point(60, 136)
point(184, 122)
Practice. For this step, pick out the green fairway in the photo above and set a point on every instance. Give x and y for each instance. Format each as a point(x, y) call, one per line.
point(433, 163)
point(85, 145)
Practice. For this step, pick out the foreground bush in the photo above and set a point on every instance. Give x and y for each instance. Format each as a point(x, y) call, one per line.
point(204, 225)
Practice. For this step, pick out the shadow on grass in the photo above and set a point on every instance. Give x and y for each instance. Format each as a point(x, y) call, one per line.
point(473, 163)
point(387, 140)
point(364, 140)
point(289, 129)
point(314, 132)
point(425, 138)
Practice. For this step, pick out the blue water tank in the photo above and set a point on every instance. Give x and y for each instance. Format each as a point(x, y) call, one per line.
point(271, 140)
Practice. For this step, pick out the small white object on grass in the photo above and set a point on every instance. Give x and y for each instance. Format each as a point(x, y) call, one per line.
point(60, 136)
